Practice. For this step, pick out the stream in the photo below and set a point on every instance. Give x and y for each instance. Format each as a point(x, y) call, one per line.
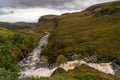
point(32, 66)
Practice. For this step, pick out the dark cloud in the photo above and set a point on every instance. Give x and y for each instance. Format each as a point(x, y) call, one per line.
point(54, 4)
point(34, 3)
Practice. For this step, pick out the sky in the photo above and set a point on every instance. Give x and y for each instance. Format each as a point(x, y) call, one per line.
point(32, 10)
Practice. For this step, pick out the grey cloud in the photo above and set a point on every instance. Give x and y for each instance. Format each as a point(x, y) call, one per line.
point(53, 4)
point(4, 12)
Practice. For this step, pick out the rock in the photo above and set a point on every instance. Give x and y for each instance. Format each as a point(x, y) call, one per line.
point(92, 59)
point(104, 11)
point(74, 57)
point(47, 18)
point(116, 67)
point(93, 8)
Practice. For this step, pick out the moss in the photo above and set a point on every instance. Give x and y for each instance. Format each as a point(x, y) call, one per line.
point(44, 59)
point(61, 59)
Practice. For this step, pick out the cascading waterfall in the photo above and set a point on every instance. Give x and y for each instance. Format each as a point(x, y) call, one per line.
point(32, 66)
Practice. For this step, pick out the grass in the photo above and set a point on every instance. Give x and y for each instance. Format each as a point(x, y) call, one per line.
point(14, 46)
point(87, 34)
point(92, 32)
point(12, 26)
point(45, 23)
point(18, 41)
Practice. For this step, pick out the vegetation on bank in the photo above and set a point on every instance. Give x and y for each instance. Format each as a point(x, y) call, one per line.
point(14, 45)
point(92, 32)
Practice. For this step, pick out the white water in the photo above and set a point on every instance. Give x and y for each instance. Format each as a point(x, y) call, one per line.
point(32, 66)
point(102, 67)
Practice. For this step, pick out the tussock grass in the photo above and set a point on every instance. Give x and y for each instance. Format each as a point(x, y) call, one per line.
point(85, 34)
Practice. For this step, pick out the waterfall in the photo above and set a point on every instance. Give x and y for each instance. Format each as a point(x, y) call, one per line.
point(32, 66)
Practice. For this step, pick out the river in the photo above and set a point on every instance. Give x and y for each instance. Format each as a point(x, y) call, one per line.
point(32, 66)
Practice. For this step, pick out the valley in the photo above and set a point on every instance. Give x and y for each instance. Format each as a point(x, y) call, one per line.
point(73, 46)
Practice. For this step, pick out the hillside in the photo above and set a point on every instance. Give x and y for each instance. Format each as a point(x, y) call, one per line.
point(15, 25)
point(14, 46)
point(92, 32)
point(28, 24)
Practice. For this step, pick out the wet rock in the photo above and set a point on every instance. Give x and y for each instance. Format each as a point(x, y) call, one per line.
point(75, 57)
point(92, 59)
point(116, 67)
point(41, 65)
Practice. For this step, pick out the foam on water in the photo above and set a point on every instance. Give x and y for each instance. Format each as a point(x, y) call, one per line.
point(32, 66)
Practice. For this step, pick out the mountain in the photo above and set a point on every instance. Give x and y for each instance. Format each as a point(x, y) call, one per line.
point(16, 25)
point(92, 32)
point(29, 24)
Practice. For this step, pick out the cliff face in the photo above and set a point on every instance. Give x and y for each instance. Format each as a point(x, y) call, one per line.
point(47, 18)
point(46, 23)
point(104, 9)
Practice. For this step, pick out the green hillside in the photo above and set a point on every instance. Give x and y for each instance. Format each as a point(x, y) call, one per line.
point(92, 32)
point(13, 26)
point(14, 46)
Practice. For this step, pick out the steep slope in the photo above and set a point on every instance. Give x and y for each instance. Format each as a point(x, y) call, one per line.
point(14, 45)
point(46, 23)
point(92, 32)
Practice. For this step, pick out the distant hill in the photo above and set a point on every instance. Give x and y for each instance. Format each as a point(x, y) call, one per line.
point(18, 25)
point(25, 24)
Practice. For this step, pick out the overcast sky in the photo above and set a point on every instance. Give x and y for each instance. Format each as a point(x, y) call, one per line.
point(31, 10)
